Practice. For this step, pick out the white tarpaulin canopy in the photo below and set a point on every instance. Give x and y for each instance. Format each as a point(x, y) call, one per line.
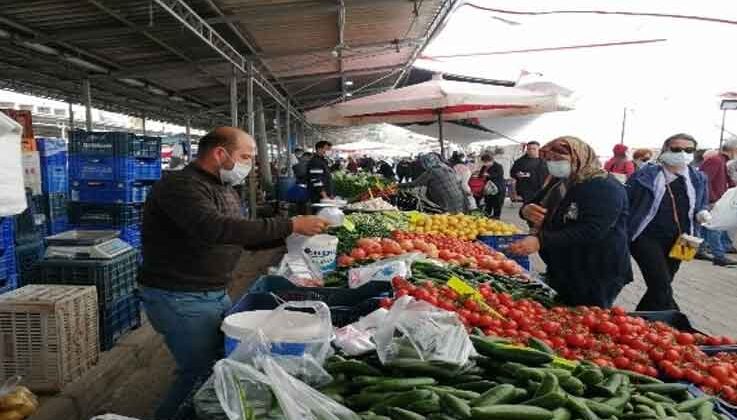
point(449, 100)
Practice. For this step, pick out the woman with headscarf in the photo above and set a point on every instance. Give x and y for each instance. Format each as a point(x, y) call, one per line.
point(463, 171)
point(619, 165)
point(641, 157)
point(666, 200)
point(443, 186)
point(579, 225)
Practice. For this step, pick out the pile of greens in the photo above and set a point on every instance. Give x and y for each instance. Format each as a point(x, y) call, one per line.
point(351, 186)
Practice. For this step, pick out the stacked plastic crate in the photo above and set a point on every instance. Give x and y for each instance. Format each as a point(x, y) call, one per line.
point(110, 175)
point(29, 230)
point(8, 272)
point(54, 183)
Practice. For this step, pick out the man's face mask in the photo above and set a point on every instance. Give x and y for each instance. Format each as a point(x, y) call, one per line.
point(237, 174)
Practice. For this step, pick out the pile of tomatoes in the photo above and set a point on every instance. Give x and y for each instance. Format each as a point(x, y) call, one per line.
point(379, 248)
point(607, 337)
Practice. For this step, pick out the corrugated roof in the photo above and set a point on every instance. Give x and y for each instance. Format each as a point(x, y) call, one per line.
point(143, 61)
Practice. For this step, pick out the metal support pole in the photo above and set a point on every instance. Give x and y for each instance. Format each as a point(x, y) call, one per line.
point(188, 134)
point(721, 134)
point(143, 125)
point(279, 140)
point(290, 149)
point(263, 147)
point(71, 121)
point(252, 179)
point(440, 134)
point(87, 97)
point(624, 125)
point(234, 98)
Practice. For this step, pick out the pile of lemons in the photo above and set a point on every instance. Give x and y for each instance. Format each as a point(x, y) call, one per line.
point(460, 226)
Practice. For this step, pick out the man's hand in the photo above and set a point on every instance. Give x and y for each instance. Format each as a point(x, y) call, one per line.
point(534, 214)
point(309, 225)
point(526, 246)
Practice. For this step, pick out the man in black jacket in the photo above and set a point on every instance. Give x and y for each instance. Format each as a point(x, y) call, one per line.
point(529, 172)
point(320, 179)
point(193, 235)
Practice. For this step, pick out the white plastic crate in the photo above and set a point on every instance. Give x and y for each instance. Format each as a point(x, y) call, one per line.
point(48, 334)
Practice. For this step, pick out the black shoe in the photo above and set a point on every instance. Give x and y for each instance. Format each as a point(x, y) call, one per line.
point(704, 256)
point(732, 250)
point(724, 262)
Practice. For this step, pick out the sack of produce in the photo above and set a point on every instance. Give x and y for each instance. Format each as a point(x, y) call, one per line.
point(265, 389)
point(16, 402)
point(419, 330)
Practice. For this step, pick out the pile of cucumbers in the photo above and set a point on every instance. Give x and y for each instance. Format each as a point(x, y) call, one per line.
point(506, 382)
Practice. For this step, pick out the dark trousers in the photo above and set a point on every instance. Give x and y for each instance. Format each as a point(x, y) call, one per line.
point(658, 270)
point(493, 205)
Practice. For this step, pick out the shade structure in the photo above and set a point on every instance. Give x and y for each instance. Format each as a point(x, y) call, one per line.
point(441, 100)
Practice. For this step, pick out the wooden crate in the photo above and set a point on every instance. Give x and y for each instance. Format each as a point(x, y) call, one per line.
point(48, 335)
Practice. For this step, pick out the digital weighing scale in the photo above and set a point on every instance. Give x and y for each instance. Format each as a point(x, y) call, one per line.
point(86, 245)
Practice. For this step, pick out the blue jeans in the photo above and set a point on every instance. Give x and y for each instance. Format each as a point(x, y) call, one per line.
point(718, 242)
point(190, 324)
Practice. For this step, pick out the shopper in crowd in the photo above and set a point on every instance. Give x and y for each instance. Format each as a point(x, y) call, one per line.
point(367, 163)
point(386, 170)
point(529, 172)
point(352, 165)
point(404, 170)
point(641, 157)
point(492, 171)
point(620, 165)
point(441, 181)
point(666, 200)
point(193, 235)
point(299, 194)
point(715, 169)
point(463, 171)
point(320, 178)
point(579, 225)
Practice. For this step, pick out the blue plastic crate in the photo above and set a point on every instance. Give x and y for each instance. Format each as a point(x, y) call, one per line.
point(109, 168)
point(132, 235)
point(146, 169)
point(110, 191)
point(8, 284)
point(118, 319)
point(55, 205)
point(54, 178)
point(48, 147)
point(332, 296)
point(28, 257)
point(7, 233)
point(104, 216)
point(114, 144)
point(8, 269)
point(501, 242)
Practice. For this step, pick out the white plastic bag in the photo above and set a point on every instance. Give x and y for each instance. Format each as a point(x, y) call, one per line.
point(12, 192)
point(333, 215)
point(416, 329)
point(319, 252)
point(383, 270)
point(724, 213)
point(247, 393)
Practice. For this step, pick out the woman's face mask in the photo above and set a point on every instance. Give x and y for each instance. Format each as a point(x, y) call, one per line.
point(559, 168)
point(677, 159)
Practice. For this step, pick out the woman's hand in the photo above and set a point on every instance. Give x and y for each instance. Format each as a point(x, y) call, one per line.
point(526, 246)
point(534, 214)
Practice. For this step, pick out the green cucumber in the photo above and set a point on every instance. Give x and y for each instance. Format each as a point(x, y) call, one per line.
point(610, 386)
point(620, 401)
point(460, 379)
point(460, 393)
point(559, 373)
point(510, 412)
point(421, 367)
point(641, 399)
point(401, 399)
point(691, 405)
point(578, 406)
point(397, 413)
point(552, 400)
point(352, 368)
point(400, 384)
point(368, 380)
point(573, 386)
point(455, 406)
point(372, 416)
point(477, 386)
point(500, 394)
point(440, 416)
point(549, 384)
point(642, 408)
point(601, 409)
point(591, 376)
point(635, 377)
point(705, 410)
point(365, 400)
point(637, 416)
point(430, 405)
point(562, 413)
point(524, 355)
point(659, 398)
point(519, 395)
point(670, 388)
point(660, 410)
point(537, 344)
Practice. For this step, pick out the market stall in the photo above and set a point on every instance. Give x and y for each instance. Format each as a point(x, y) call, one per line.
point(407, 315)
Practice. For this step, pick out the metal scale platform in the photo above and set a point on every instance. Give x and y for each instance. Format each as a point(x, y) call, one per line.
point(86, 245)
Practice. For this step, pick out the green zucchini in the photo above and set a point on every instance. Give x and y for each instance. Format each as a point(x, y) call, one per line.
point(400, 384)
point(601, 409)
point(524, 355)
point(500, 394)
point(427, 406)
point(705, 410)
point(510, 412)
point(692, 405)
point(548, 384)
point(578, 406)
point(455, 406)
point(591, 376)
point(620, 400)
point(477, 386)
point(670, 388)
point(352, 368)
point(421, 367)
point(363, 380)
point(573, 385)
point(401, 399)
point(552, 400)
point(562, 413)
point(440, 416)
point(460, 393)
point(659, 398)
point(610, 386)
point(397, 413)
point(537, 344)
point(634, 376)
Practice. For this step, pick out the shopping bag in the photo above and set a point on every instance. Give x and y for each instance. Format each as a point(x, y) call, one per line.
point(724, 213)
point(490, 188)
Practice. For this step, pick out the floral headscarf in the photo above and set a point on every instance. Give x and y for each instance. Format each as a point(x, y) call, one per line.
point(430, 160)
point(584, 163)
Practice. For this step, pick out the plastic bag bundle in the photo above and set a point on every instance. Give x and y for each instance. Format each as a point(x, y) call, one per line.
point(247, 393)
point(724, 213)
point(298, 339)
point(12, 192)
point(16, 402)
point(416, 329)
point(384, 270)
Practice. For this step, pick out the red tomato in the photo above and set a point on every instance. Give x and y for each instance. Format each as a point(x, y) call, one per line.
point(656, 355)
point(401, 292)
point(693, 376)
point(719, 371)
point(345, 261)
point(386, 303)
point(589, 320)
point(621, 362)
point(608, 328)
point(631, 354)
point(685, 338)
point(618, 310)
point(551, 327)
point(672, 355)
point(712, 382)
point(674, 372)
point(558, 342)
point(576, 340)
point(358, 253)
point(510, 325)
point(474, 318)
point(601, 362)
point(651, 371)
point(486, 320)
point(726, 341)
point(713, 341)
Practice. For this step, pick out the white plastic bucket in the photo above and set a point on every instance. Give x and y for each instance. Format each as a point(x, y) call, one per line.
point(290, 332)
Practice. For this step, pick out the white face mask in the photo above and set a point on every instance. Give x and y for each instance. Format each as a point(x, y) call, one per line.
point(237, 174)
point(680, 159)
point(559, 168)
